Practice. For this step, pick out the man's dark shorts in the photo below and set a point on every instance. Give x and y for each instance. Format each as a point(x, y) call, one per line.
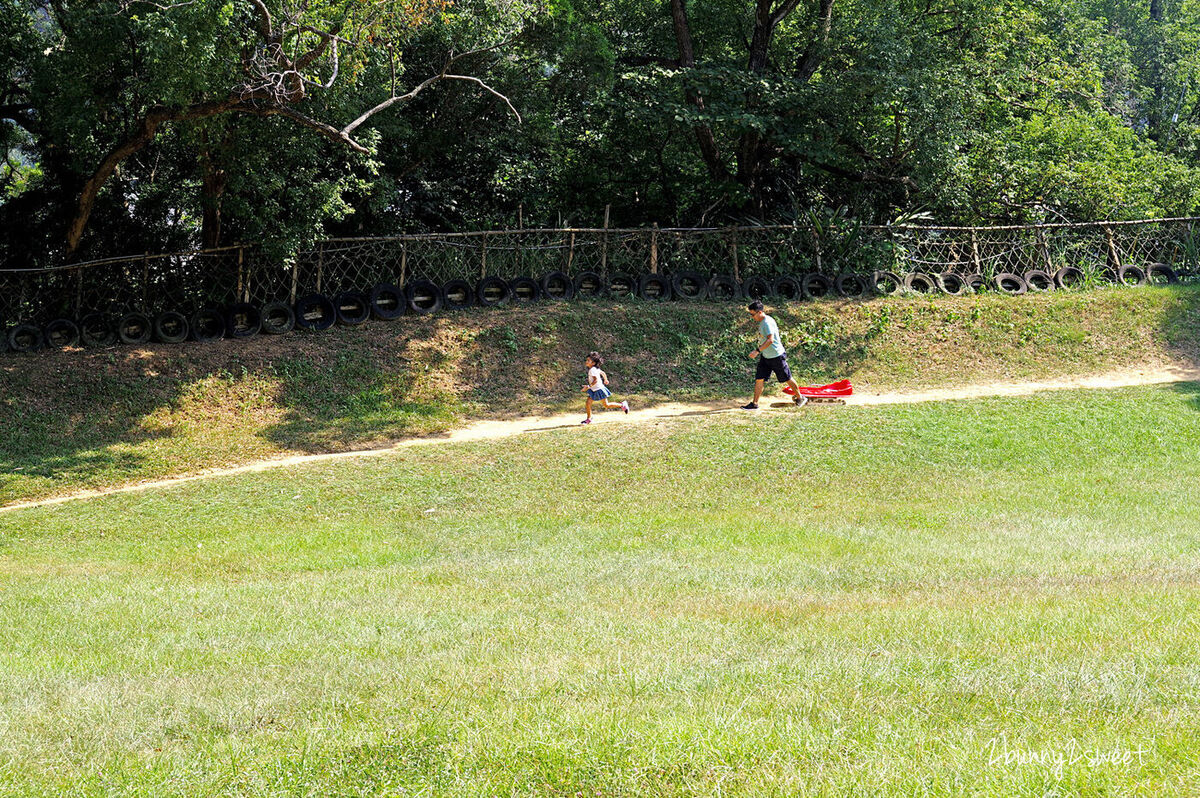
point(773, 365)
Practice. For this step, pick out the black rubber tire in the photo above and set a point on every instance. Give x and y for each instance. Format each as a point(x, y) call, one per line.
point(590, 285)
point(1009, 283)
point(788, 288)
point(1131, 276)
point(525, 289)
point(278, 318)
point(920, 282)
point(1068, 277)
point(493, 291)
point(756, 287)
point(61, 333)
point(689, 286)
point(976, 281)
point(724, 288)
point(654, 288)
point(622, 286)
point(96, 329)
point(424, 297)
point(851, 286)
point(352, 308)
point(1039, 280)
point(171, 327)
point(134, 329)
point(953, 284)
point(456, 295)
point(558, 286)
point(387, 301)
point(1161, 274)
point(314, 312)
point(816, 285)
point(26, 338)
point(242, 320)
point(886, 283)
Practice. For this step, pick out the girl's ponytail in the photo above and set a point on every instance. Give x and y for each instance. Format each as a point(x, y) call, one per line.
point(595, 358)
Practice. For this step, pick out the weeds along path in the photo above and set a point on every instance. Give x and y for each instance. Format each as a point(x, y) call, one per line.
point(493, 429)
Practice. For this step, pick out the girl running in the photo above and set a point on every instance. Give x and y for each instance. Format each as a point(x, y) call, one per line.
point(596, 388)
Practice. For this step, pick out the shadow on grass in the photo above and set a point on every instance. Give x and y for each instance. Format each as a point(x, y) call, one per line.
point(61, 424)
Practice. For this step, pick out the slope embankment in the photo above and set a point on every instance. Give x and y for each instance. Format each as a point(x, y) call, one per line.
point(91, 419)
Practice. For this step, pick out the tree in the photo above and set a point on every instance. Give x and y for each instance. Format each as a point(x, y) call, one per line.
point(142, 66)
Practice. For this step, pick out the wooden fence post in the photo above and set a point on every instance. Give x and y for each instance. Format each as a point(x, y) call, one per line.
point(734, 246)
point(243, 278)
point(482, 257)
point(295, 280)
point(520, 239)
point(816, 242)
point(604, 243)
point(79, 292)
point(570, 252)
point(1114, 256)
point(320, 265)
point(1044, 249)
point(654, 249)
point(976, 261)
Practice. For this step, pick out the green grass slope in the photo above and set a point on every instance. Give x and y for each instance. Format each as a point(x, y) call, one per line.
point(996, 597)
point(70, 420)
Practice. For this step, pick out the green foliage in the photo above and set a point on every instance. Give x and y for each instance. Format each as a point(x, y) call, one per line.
point(975, 111)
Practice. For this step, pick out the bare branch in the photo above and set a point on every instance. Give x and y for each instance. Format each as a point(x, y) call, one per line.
point(388, 103)
point(488, 89)
point(328, 131)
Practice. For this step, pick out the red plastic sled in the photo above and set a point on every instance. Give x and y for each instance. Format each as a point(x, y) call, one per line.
point(839, 388)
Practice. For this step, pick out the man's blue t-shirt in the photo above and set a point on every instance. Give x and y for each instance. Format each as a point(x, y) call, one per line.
point(768, 327)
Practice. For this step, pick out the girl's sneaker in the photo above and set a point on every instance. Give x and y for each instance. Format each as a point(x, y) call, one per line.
point(625, 407)
point(586, 421)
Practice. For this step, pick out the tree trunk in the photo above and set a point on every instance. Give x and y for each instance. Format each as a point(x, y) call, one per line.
point(212, 189)
point(749, 154)
point(145, 132)
point(687, 59)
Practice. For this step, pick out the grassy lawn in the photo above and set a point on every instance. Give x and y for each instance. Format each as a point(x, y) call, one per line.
point(996, 597)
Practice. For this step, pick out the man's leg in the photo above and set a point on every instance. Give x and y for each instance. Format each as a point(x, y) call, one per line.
point(784, 374)
point(758, 390)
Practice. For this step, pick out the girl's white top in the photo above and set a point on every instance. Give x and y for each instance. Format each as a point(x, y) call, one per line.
point(598, 383)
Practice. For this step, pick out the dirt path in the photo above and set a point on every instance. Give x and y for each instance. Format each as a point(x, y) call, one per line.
point(490, 430)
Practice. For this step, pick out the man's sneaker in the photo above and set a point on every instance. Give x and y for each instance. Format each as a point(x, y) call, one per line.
point(625, 406)
point(751, 406)
point(586, 421)
point(799, 400)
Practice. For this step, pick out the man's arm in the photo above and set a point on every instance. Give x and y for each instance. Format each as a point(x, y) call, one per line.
point(766, 342)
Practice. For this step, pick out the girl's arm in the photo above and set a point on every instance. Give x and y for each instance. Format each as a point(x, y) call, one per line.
point(604, 376)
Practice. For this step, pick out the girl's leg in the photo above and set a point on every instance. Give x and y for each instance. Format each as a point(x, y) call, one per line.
point(589, 407)
point(611, 405)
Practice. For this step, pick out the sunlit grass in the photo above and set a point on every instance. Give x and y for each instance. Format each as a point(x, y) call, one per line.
point(893, 601)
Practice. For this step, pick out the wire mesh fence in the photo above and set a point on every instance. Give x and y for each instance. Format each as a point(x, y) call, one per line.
point(154, 283)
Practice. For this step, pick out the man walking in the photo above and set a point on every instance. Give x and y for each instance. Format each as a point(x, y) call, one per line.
point(772, 357)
